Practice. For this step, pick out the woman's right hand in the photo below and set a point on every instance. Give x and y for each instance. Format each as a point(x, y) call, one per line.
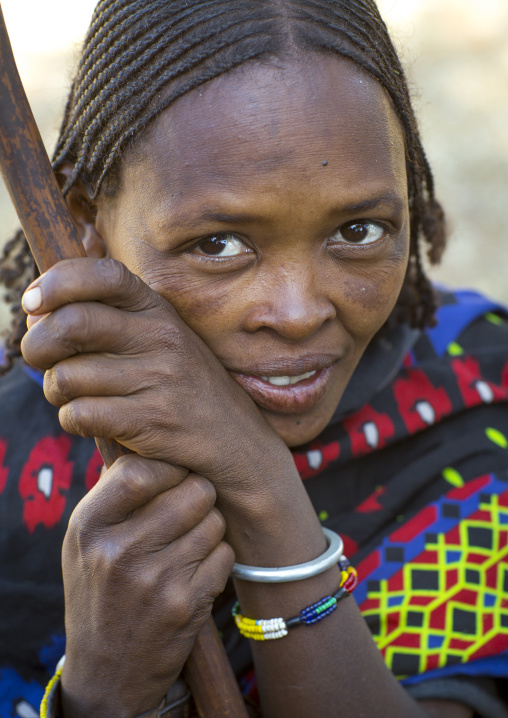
point(122, 364)
point(143, 560)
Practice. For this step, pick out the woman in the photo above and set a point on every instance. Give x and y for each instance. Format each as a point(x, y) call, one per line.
point(251, 191)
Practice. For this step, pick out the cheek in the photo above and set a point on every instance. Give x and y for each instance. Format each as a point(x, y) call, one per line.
point(377, 288)
point(205, 307)
point(374, 289)
point(369, 297)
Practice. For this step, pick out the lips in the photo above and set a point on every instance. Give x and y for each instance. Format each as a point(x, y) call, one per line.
point(279, 393)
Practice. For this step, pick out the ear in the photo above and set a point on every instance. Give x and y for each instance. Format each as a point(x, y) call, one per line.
point(84, 212)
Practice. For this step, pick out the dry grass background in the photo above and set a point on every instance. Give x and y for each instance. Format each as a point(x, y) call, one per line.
point(456, 54)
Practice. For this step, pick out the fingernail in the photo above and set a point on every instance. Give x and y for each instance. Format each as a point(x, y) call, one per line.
point(32, 300)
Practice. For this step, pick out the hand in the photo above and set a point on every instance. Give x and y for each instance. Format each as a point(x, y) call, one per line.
point(122, 364)
point(143, 560)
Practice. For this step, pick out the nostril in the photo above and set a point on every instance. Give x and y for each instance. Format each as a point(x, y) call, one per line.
point(295, 320)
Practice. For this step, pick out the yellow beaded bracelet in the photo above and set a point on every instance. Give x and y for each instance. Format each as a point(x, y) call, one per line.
point(49, 688)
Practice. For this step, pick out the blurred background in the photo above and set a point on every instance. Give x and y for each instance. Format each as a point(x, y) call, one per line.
point(456, 55)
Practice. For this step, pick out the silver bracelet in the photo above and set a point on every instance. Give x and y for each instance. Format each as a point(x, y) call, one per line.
point(294, 573)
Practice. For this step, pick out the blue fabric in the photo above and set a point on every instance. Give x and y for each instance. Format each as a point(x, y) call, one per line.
point(452, 319)
point(17, 696)
point(492, 666)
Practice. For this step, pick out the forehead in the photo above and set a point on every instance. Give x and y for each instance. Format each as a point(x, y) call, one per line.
point(316, 119)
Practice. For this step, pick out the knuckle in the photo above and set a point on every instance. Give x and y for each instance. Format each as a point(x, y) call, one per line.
point(57, 385)
point(135, 477)
point(204, 542)
point(29, 355)
point(217, 523)
point(181, 606)
point(203, 491)
point(222, 561)
point(64, 321)
point(75, 418)
point(151, 435)
point(104, 559)
point(72, 327)
point(76, 523)
point(130, 463)
point(225, 557)
point(114, 275)
point(120, 284)
point(81, 531)
point(206, 536)
point(112, 558)
point(34, 346)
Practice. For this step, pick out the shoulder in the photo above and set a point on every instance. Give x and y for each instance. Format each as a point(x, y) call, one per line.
point(455, 377)
point(466, 352)
point(467, 321)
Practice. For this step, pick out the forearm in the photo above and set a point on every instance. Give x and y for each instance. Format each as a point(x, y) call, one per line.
point(332, 667)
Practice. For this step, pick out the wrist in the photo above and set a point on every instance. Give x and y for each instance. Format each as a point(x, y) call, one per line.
point(99, 697)
point(274, 524)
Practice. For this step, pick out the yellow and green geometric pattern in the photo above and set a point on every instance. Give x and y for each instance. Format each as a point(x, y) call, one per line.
point(435, 593)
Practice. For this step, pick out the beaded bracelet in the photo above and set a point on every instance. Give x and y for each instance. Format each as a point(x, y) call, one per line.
point(272, 628)
point(50, 686)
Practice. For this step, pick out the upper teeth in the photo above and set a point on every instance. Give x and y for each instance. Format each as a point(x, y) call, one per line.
point(287, 380)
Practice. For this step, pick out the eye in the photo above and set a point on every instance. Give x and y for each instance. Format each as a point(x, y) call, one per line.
point(359, 233)
point(221, 245)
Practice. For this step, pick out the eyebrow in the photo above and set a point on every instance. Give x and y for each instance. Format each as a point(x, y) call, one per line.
point(387, 199)
point(209, 215)
point(237, 218)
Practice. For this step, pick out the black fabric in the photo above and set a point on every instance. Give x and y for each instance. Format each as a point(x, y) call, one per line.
point(480, 694)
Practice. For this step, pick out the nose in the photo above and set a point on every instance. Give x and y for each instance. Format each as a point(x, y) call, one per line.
point(292, 303)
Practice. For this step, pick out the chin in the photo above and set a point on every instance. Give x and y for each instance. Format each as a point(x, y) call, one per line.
point(297, 430)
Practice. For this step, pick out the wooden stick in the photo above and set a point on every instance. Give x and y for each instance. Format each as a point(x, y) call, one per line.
point(52, 236)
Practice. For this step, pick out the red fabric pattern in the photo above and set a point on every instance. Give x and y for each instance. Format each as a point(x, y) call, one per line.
point(371, 503)
point(44, 482)
point(420, 403)
point(368, 430)
point(316, 460)
point(473, 387)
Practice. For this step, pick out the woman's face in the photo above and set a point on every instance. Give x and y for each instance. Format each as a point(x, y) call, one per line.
point(270, 208)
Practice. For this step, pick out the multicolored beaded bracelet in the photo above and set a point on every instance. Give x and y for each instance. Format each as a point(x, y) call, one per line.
point(270, 629)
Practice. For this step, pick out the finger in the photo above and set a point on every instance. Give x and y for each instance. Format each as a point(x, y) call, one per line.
point(89, 279)
point(120, 417)
point(190, 601)
point(187, 507)
point(32, 320)
point(80, 328)
point(94, 375)
point(127, 486)
point(213, 571)
point(196, 544)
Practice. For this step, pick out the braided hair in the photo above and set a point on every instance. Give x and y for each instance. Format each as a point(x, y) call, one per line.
point(139, 56)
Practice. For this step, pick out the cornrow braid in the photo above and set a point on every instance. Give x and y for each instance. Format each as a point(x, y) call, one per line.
point(139, 56)
point(114, 69)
